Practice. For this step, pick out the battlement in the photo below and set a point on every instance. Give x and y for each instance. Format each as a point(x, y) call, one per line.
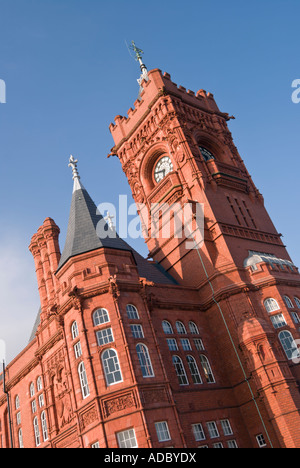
point(158, 85)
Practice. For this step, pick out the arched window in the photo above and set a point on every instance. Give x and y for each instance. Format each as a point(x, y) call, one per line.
point(111, 367)
point(288, 302)
point(17, 402)
point(145, 361)
point(180, 328)
point(39, 384)
point(83, 380)
point(289, 345)
point(194, 370)
point(100, 316)
point(132, 312)
point(167, 328)
point(193, 328)
point(297, 300)
point(44, 426)
point(207, 369)
point(36, 432)
point(74, 330)
point(20, 437)
point(180, 371)
point(271, 305)
point(32, 390)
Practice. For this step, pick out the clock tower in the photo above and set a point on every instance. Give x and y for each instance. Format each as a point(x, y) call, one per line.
point(176, 150)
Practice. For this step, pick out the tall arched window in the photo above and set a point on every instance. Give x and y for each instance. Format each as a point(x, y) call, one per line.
point(20, 437)
point(83, 380)
point(271, 305)
point(132, 312)
point(194, 370)
point(74, 330)
point(207, 369)
point(297, 300)
point(17, 402)
point(144, 360)
point(193, 328)
point(111, 367)
point(180, 328)
point(39, 384)
point(288, 302)
point(36, 432)
point(100, 316)
point(289, 345)
point(167, 328)
point(44, 426)
point(180, 371)
point(32, 390)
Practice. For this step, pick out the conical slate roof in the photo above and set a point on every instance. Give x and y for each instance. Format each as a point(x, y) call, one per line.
point(85, 223)
point(88, 231)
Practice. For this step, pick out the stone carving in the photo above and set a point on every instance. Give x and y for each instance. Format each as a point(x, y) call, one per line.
point(88, 418)
point(119, 404)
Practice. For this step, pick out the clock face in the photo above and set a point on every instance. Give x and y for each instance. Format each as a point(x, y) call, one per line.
point(163, 168)
point(206, 154)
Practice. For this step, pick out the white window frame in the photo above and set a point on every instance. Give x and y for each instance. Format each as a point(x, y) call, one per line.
point(180, 327)
point(289, 345)
point(213, 430)
point(261, 441)
point(37, 434)
point(180, 371)
point(271, 305)
point(74, 330)
point(39, 384)
point(32, 390)
point(193, 328)
point(105, 336)
point(85, 391)
point(17, 402)
point(144, 360)
point(162, 431)
point(199, 344)
point(226, 427)
point(100, 317)
point(172, 344)
point(167, 328)
point(44, 426)
point(18, 418)
point(194, 370)
point(297, 301)
point(77, 350)
point(41, 400)
point(278, 321)
point(209, 376)
point(20, 438)
point(132, 312)
point(137, 331)
point(288, 302)
point(127, 439)
point(106, 362)
point(198, 432)
point(185, 344)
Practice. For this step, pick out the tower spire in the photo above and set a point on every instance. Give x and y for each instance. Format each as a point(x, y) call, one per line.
point(138, 56)
point(73, 164)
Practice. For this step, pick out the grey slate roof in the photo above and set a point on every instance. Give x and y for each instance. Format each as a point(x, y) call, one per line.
point(82, 237)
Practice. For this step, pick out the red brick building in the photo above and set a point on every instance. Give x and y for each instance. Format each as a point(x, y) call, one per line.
point(195, 348)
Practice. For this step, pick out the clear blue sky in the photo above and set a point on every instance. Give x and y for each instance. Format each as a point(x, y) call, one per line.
point(68, 73)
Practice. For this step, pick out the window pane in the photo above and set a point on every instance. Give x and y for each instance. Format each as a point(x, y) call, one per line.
point(100, 316)
point(137, 331)
point(167, 328)
point(144, 360)
point(180, 328)
point(127, 439)
point(132, 312)
point(162, 431)
point(105, 336)
point(180, 371)
point(194, 370)
point(172, 344)
point(278, 321)
point(111, 367)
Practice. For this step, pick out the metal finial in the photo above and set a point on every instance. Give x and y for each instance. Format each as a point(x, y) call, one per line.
point(138, 56)
point(73, 164)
